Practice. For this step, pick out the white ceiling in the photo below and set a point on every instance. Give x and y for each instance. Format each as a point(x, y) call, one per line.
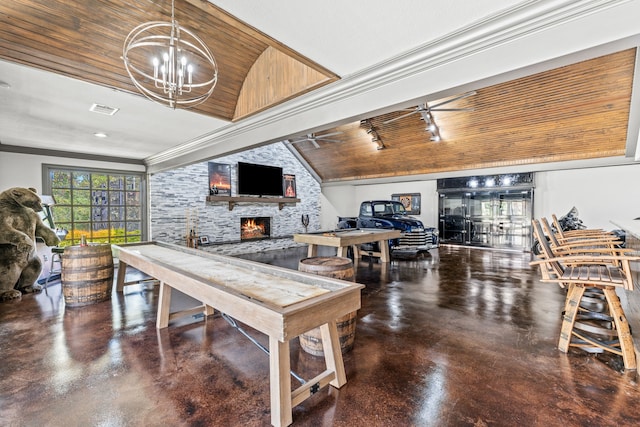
point(388, 54)
point(350, 36)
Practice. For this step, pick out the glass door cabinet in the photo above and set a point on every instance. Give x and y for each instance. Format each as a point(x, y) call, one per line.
point(497, 217)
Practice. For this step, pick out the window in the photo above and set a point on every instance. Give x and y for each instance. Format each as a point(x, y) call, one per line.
point(103, 206)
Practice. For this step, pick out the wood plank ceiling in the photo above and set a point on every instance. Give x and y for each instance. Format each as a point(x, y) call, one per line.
point(84, 39)
point(579, 111)
point(576, 112)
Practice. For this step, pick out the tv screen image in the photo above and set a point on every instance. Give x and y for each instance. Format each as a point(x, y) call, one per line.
point(259, 180)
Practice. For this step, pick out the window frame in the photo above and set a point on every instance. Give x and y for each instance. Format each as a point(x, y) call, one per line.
point(144, 208)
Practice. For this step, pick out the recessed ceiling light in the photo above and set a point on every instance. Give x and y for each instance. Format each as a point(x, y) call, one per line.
point(100, 135)
point(4, 85)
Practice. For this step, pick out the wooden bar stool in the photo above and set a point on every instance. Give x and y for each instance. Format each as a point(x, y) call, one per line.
point(596, 329)
point(593, 319)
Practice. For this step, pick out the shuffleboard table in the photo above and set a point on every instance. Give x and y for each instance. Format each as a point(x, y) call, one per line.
point(342, 239)
point(278, 302)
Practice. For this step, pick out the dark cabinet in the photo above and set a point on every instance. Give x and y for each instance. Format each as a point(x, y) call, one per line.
point(497, 219)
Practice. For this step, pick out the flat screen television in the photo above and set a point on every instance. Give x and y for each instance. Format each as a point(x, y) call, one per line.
point(259, 180)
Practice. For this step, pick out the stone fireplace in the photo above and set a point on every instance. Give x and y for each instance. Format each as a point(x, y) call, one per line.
point(255, 228)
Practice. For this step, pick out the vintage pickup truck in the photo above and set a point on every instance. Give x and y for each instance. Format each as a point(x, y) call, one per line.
point(391, 214)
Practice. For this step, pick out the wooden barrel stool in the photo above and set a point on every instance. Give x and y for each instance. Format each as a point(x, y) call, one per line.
point(337, 268)
point(87, 274)
point(594, 321)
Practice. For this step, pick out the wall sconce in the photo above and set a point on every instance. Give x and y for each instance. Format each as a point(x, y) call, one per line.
point(374, 135)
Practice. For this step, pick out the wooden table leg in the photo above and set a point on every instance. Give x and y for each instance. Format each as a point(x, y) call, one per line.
point(333, 353)
point(280, 382)
point(312, 251)
point(384, 251)
point(122, 271)
point(357, 253)
point(208, 310)
point(164, 306)
point(342, 251)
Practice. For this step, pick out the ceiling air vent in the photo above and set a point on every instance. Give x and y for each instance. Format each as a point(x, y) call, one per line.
point(103, 109)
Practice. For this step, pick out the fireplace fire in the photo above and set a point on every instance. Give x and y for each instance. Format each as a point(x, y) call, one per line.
point(255, 228)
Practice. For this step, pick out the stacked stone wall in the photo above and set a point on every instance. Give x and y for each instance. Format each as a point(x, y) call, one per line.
point(180, 195)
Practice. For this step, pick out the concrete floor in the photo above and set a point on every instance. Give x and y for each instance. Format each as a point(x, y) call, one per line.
point(462, 337)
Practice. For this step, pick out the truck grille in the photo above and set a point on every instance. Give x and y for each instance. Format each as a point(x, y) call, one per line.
point(416, 238)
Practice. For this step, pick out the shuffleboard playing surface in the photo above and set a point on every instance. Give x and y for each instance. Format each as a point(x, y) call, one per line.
point(254, 284)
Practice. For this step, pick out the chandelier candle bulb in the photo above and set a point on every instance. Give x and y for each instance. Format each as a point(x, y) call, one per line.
point(156, 63)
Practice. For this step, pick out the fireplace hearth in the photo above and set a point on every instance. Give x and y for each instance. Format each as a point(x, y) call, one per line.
point(255, 228)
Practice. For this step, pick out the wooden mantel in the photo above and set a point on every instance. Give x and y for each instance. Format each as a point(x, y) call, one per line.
point(232, 200)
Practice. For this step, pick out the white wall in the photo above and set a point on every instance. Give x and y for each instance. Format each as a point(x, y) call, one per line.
point(25, 170)
point(345, 200)
point(600, 194)
point(335, 202)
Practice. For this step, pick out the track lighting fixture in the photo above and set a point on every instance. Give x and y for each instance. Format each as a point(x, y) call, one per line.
point(431, 126)
point(374, 135)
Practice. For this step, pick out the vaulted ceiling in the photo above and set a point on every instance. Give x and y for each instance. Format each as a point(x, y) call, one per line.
point(84, 40)
point(548, 87)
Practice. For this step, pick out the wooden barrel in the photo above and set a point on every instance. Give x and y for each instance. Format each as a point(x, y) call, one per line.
point(337, 268)
point(87, 274)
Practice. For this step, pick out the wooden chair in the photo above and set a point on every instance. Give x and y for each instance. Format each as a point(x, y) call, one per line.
point(593, 319)
point(586, 232)
point(579, 240)
point(585, 245)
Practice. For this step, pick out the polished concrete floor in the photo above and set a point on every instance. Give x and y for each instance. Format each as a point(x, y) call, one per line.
point(464, 337)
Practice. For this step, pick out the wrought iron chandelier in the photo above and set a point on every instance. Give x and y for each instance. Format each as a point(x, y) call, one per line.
point(169, 64)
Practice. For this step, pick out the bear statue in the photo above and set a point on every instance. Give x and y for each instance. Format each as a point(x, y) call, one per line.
point(20, 224)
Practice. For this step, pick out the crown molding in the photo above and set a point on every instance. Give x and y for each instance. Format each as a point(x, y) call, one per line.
point(67, 154)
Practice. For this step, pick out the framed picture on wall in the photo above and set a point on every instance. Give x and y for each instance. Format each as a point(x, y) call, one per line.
point(219, 179)
point(411, 202)
point(289, 185)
